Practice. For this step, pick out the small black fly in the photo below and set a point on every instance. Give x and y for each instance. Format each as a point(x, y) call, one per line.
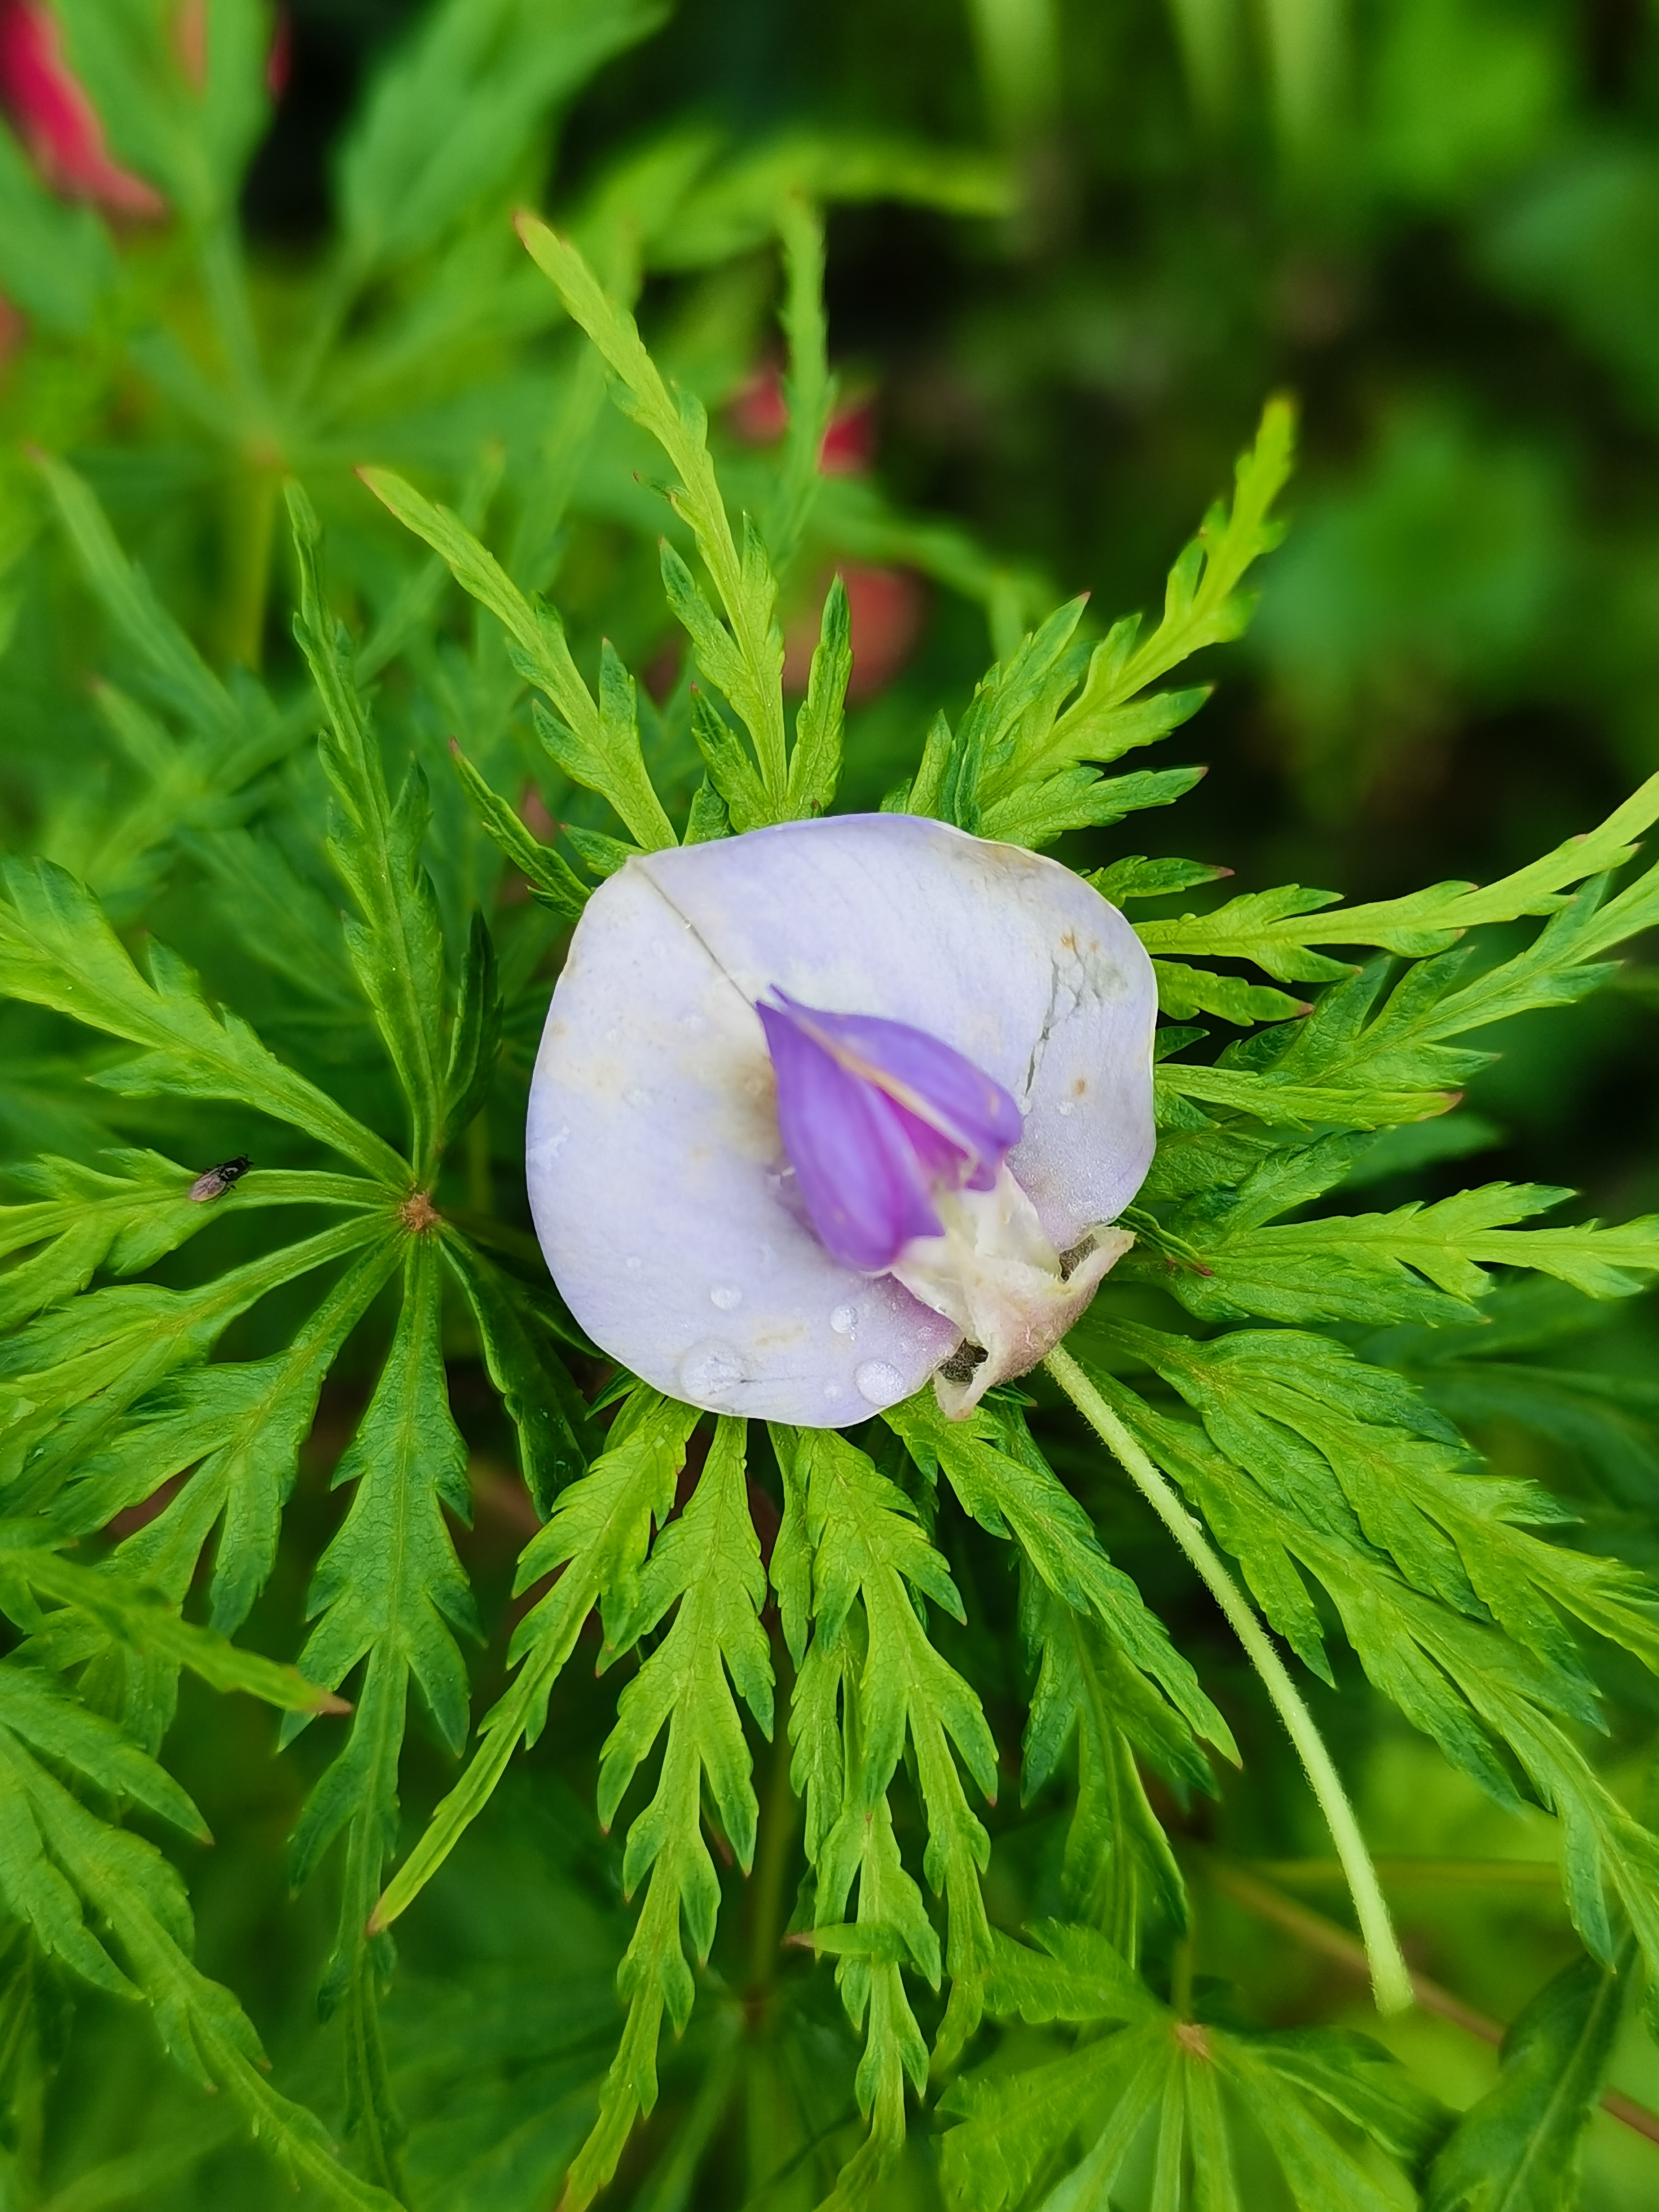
point(217, 1181)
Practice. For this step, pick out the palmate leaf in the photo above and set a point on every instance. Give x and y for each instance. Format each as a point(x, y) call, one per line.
point(57, 950)
point(238, 1428)
point(122, 1217)
point(67, 1380)
point(115, 1604)
point(1354, 1451)
point(452, 119)
point(707, 1565)
point(67, 1864)
point(1073, 2120)
point(189, 783)
point(1518, 2148)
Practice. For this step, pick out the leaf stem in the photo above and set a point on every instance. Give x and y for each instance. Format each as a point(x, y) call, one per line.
point(1246, 1888)
point(1391, 1984)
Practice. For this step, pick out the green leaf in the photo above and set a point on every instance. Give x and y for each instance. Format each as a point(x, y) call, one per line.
point(475, 1038)
point(1003, 1482)
point(137, 1896)
point(869, 1554)
point(553, 883)
point(146, 1620)
point(1014, 769)
point(556, 1439)
point(1460, 1680)
point(744, 661)
point(1298, 2088)
point(123, 1219)
point(449, 122)
point(741, 205)
point(731, 771)
point(1274, 929)
point(1519, 2147)
point(598, 1531)
point(1183, 992)
point(1369, 1266)
point(55, 260)
point(1134, 877)
point(194, 139)
point(391, 1590)
point(240, 1430)
point(40, 1710)
point(57, 950)
point(593, 751)
point(68, 1379)
point(809, 390)
point(815, 762)
point(707, 1564)
point(396, 943)
point(1118, 1868)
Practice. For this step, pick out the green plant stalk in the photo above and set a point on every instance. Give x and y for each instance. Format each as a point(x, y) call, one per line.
point(1391, 1985)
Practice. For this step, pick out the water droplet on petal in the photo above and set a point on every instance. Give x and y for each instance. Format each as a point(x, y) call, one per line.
point(880, 1381)
point(844, 1320)
point(710, 1372)
point(726, 1295)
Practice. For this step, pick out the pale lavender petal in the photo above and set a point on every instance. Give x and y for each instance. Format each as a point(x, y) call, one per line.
point(858, 1171)
point(656, 1167)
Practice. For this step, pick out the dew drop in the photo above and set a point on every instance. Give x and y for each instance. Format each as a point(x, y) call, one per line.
point(710, 1372)
point(844, 1320)
point(726, 1295)
point(880, 1381)
point(1065, 1106)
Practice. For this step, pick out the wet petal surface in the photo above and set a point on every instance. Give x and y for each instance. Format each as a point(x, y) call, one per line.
point(664, 1196)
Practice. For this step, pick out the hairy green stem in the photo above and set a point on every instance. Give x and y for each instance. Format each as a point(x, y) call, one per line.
point(1390, 1978)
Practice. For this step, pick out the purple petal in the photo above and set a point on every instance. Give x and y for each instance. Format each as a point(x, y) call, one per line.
point(863, 1187)
point(934, 1085)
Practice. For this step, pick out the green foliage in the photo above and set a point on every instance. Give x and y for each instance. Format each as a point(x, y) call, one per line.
point(1188, 2080)
point(1519, 2144)
point(370, 859)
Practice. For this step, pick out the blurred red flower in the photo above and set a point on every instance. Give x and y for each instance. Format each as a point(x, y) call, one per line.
point(48, 108)
point(884, 608)
point(885, 605)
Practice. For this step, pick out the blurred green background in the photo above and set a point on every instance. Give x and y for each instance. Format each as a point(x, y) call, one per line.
point(1437, 223)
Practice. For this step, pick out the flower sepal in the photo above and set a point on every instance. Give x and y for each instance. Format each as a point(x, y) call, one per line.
point(995, 1273)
